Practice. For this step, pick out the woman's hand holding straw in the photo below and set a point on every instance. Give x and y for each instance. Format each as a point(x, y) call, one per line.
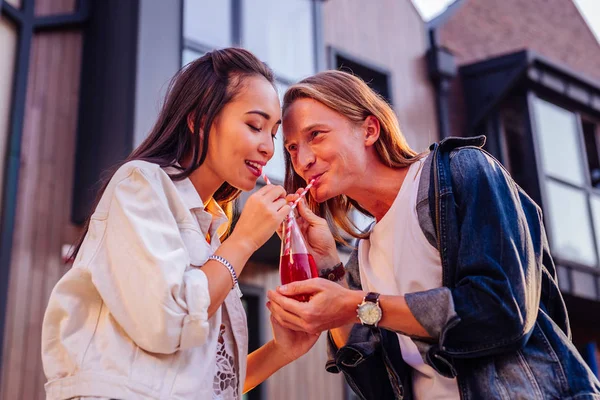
point(288, 230)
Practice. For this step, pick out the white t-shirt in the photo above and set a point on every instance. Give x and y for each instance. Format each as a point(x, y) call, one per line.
point(397, 259)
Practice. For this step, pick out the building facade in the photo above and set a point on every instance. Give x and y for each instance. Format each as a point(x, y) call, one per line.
point(81, 82)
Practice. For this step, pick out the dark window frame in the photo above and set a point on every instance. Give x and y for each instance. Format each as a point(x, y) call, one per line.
point(335, 53)
point(255, 298)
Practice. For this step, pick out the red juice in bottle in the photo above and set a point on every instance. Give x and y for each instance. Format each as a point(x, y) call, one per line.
point(297, 267)
point(296, 264)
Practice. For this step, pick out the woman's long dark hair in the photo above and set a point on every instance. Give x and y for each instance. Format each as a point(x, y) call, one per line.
point(199, 91)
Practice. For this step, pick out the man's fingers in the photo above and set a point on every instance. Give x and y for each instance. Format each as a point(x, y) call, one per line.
point(290, 198)
point(288, 304)
point(308, 286)
point(306, 213)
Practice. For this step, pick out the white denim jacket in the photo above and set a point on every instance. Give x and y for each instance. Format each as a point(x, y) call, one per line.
point(130, 319)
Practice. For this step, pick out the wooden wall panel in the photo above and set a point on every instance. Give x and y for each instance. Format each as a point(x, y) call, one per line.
point(42, 221)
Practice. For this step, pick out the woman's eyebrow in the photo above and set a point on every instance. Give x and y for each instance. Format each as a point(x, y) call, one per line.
point(262, 114)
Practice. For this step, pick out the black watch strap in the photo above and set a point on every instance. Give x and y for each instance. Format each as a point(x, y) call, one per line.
point(372, 297)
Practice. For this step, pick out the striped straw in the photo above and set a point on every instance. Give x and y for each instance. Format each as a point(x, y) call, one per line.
point(266, 179)
point(287, 241)
point(306, 189)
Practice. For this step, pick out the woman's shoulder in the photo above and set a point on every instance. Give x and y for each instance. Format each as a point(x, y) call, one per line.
point(134, 180)
point(137, 167)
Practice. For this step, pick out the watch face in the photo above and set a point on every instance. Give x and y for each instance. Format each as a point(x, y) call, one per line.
point(369, 313)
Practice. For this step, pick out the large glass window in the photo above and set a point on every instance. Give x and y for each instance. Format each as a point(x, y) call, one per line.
point(189, 55)
point(568, 214)
point(572, 206)
point(559, 142)
point(281, 34)
point(8, 43)
point(275, 168)
point(207, 22)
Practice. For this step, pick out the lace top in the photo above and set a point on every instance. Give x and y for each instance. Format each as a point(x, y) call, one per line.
point(226, 381)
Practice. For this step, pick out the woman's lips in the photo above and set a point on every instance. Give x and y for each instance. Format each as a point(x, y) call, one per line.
point(255, 171)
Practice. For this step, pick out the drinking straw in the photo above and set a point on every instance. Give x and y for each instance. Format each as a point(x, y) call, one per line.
point(287, 241)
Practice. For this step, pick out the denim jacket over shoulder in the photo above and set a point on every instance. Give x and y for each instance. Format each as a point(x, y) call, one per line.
point(499, 323)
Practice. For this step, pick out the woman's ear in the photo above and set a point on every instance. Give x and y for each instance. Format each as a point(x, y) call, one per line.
point(372, 129)
point(190, 122)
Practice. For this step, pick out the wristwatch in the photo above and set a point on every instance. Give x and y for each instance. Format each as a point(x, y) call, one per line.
point(369, 313)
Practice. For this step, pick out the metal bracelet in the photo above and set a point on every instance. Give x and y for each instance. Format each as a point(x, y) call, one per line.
point(228, 265)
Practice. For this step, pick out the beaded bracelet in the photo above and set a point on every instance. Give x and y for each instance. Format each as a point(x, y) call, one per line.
point(228, 265)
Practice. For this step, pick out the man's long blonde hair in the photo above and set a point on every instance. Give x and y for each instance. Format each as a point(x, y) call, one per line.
point(352, 98)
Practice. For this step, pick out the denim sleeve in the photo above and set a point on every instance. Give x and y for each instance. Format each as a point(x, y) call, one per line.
point(493, 305)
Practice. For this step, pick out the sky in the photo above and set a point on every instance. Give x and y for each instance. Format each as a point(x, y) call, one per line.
point(589, 8)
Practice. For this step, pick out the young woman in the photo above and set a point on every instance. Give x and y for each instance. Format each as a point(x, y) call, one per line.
point(453, 285)
point(150, 308)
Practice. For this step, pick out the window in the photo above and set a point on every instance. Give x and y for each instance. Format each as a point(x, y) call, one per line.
point(8, 42)
point(572, 205)
point(376, 78)
point(275, 168)
point(559, 143)
point(285, 43)
point(189, 55)
point(207, 22)
point(568, 214)
point(281, 34)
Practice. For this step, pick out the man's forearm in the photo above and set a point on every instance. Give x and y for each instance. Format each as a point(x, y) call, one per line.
point(341, 334)
point(396, 317)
